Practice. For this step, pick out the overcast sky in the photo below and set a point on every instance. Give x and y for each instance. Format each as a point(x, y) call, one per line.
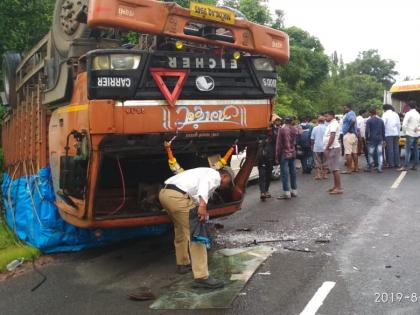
point(392, 27)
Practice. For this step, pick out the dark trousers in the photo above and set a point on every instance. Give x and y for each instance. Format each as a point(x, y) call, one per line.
point(393, 151)
point(307, 161)
point(411, 142)
point(287, 167)
point(264, 171)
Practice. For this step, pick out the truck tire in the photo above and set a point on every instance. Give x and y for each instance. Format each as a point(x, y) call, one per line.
point(66, 27)
point(11, 61)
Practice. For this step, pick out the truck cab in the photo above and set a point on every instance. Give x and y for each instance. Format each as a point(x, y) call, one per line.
point(202, 78)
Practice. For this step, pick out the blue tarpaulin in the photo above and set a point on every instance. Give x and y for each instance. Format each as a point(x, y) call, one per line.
point(33, 216)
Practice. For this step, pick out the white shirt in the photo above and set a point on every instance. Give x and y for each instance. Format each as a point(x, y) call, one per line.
point(392, 123)
point(196, 182)
point(361, 125)
point(333, 126)
point(411, 123)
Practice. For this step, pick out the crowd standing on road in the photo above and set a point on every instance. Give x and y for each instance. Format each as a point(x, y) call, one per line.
point(322, 145)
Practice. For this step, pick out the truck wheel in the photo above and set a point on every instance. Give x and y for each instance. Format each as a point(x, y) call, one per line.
point(66, 24)
point(11, 61)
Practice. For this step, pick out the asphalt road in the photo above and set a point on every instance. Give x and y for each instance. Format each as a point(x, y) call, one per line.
point(372, 257)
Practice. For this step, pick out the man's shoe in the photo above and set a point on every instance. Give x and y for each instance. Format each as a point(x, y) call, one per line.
point(183, 269)
point(379, 171)
point(263, 197)
point(294, 193)
point(285, 195)
point(402, 169)
point(368, 170)
point(414, 168)
point(209, 283)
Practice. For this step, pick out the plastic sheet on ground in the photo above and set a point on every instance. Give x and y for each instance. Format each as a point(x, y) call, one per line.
point(234, 266)
point(33, 216)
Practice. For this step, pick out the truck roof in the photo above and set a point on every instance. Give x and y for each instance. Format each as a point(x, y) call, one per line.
point(406, 86)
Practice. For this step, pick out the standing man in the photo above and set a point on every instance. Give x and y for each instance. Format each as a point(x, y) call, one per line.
point(375, 138)
point(350, 140)
point(392, 135)
point(317, 141)
point(332, 150)
point(361, 129)
point(266, 158)
point(411, 127)
point(181, 194)
point(303, 143)
point(286, 155)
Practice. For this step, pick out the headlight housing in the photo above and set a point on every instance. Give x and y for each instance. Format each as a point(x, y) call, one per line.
point(116, 62)
point(264, 64)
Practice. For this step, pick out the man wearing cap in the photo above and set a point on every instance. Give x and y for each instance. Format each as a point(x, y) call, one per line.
point(182, 193)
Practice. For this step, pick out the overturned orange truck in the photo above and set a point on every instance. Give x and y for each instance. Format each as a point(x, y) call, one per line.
point(97, 110)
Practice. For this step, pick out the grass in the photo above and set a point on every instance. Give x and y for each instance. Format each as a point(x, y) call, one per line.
point(11, 248)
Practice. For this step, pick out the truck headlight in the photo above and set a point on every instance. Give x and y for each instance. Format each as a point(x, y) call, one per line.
point(116, 62)
point(264, 64)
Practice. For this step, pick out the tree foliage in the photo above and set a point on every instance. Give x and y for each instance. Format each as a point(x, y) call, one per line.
point(23, 23)
point(300, 80)
point(370, 63)
point(253, 10)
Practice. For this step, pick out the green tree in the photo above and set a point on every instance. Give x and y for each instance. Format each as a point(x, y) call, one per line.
point(371, 63)
point(365, 91)
point(22, 24)
point(254, 10)
point(301, 79)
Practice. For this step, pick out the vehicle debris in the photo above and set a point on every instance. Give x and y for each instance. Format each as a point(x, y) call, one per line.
point(320, 241)
point(243, 230)
point(304, 250)
point(14, 264)
point(142, 294)
point(255, 242)
point(218, 226)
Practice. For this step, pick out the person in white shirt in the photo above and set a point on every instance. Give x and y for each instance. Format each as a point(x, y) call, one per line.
point(332, 150)
point(392, 136)
point(181, 194)
point(361, 129)
point(411, 127)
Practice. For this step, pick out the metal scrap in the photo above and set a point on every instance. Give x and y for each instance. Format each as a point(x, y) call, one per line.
point(255, 242)
point(243, 230)
point(304, 250)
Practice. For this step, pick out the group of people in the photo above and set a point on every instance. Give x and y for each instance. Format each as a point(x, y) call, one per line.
point(378, 138)
point(187, 194)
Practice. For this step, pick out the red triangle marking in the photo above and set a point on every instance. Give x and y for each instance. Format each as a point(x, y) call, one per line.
point(159, 73)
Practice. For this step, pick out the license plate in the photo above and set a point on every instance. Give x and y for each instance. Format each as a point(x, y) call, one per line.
point(211, 13)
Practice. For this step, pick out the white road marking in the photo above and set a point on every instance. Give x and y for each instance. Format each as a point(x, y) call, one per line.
point(399, 180)
point(318, 299)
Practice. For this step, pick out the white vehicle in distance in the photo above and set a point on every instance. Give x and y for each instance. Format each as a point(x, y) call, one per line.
point(237, 161)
